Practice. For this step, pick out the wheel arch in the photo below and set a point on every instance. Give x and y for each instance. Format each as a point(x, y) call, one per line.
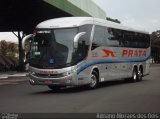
point(141, 67)
point(94, 82)
point(96, 69)
point(135, 66)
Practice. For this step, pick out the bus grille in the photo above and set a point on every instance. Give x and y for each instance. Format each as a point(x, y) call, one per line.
point(49, 75)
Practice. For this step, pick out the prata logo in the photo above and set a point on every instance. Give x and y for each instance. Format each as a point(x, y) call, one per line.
point(125, 53)
point(109, 53)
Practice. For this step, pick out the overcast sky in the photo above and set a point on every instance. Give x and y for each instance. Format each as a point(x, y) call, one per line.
point(8, 36)
point(139, 14)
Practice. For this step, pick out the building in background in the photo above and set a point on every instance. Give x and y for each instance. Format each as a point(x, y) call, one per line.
point(24, 15)
point(79, 7)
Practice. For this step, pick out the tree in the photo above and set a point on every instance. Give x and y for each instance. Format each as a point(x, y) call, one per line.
point(12, 49)
point(4, 47)
point(21, 51)
point(155, 44)
point(155, 38)
point(7, 48)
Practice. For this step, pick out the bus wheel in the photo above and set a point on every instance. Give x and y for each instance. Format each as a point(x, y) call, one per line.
point(54, 88)
point(134, 75)
point(94, 82)
point(140, 74)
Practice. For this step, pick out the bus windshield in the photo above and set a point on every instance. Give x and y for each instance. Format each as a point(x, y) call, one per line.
point(53, 48)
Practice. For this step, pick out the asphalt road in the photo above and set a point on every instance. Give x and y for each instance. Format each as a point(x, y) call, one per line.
point(115, 96)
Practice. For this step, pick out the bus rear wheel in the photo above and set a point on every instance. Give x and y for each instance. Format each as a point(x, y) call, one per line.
point(135, 76)
point(94, 81)
point(140, 74)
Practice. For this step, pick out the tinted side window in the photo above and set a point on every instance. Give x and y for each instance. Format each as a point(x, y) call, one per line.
point(104, 36)
point(83, 42)
point(86, 37)
point(114, 37)
point(144, 41)
point(147, 44)
point(135, 40)
point(100, 37)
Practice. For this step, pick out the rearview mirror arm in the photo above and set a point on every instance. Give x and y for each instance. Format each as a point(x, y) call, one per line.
point(24, 40)
point(76, 38)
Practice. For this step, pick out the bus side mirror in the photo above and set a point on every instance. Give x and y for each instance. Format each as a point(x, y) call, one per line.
point(24, 40)
point(76, 38)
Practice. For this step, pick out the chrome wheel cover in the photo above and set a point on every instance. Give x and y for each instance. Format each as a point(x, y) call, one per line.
point(93, 81)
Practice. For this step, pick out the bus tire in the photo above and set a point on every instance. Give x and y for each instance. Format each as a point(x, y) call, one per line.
point(54, 88)
point(94, 80)
point(134, 77)
point(140, 74)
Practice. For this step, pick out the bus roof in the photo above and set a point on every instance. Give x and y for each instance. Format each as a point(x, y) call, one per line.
point(67, 22)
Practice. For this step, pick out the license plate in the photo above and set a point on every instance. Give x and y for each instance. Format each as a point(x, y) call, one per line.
point(48, 82)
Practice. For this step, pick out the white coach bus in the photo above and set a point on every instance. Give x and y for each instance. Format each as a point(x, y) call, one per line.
point(75, 51)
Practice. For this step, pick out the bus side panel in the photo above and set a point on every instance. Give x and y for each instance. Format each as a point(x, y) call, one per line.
point(83, 73)
point(117, 62)
point(146, 67)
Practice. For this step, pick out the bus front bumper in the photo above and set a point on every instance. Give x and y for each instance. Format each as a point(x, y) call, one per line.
point(62, 81)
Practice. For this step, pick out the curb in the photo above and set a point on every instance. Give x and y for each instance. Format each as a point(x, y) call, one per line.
point(153, 65)
point(3, 77)
point(6, 76)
